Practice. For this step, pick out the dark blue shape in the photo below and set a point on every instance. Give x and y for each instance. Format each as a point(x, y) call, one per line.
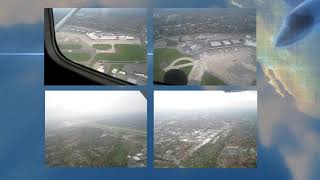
point(299, 23)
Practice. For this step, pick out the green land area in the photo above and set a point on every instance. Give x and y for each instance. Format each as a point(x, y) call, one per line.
point(102, 46)
point(187, 69)
point(164, 56)
point(209, 79)
point(70, 46)
point(77, 56)
point(124, 52)
point(98, 144)
point(182, 62)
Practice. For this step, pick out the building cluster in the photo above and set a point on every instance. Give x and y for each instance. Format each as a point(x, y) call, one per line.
point(133, 73)
point(168, 24)
point(250, 41)
point(115, 70)
point(106, 34)
point(139, 159)
point(98, 35)
point(231, 151)
point(200, 43)
point(177, 142)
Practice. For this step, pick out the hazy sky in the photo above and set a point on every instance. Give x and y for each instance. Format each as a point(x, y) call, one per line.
point(86, 105)
point(170, 100)
point(16, 12)
point(122, 11)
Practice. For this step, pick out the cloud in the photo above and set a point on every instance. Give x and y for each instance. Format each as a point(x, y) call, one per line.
point(76, 105)
point(300, 161)
point(283, 126)
point(17, 12)
point(215, 100)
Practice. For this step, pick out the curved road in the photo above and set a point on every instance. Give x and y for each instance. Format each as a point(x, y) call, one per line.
point(173, 66)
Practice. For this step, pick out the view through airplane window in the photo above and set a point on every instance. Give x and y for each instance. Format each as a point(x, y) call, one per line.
point(109, 40)
point(215, 46)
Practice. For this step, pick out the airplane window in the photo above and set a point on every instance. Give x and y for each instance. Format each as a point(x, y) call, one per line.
point(108, 40)
point(215, 46)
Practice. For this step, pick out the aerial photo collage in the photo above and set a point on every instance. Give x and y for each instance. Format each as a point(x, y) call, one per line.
point(150, 88)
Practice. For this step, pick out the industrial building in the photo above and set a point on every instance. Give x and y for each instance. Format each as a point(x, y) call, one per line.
point(226, 42)
point(215, 43)
point(201, 37)
point(130, 38)
point(250, 41)
point(108, 36)
point(122, 37)
point(93, 36)
point(231, 150)
point(195, 47)
point(235, 41)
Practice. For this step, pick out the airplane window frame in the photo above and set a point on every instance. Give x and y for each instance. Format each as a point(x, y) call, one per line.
point(54, 52)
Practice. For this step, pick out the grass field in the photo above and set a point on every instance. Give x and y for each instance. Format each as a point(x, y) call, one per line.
point(117, 157)
point(69, 46)
point(208, 79)
point(124, 52)
point(77, 56)
point(164, 56)
point(171, 42)
point(182, 62)
point(187, 69)
point(102, 46)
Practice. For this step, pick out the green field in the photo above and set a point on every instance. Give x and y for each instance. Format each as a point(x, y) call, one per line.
point(81, 56)
point(171, 42)
point(102, 46)
point(69, 46)
point(182, 62)
point(124, 52)
point(117, 157)
point(208, 79)
point(187, 69)
point(107, 151)
point(164, 56)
